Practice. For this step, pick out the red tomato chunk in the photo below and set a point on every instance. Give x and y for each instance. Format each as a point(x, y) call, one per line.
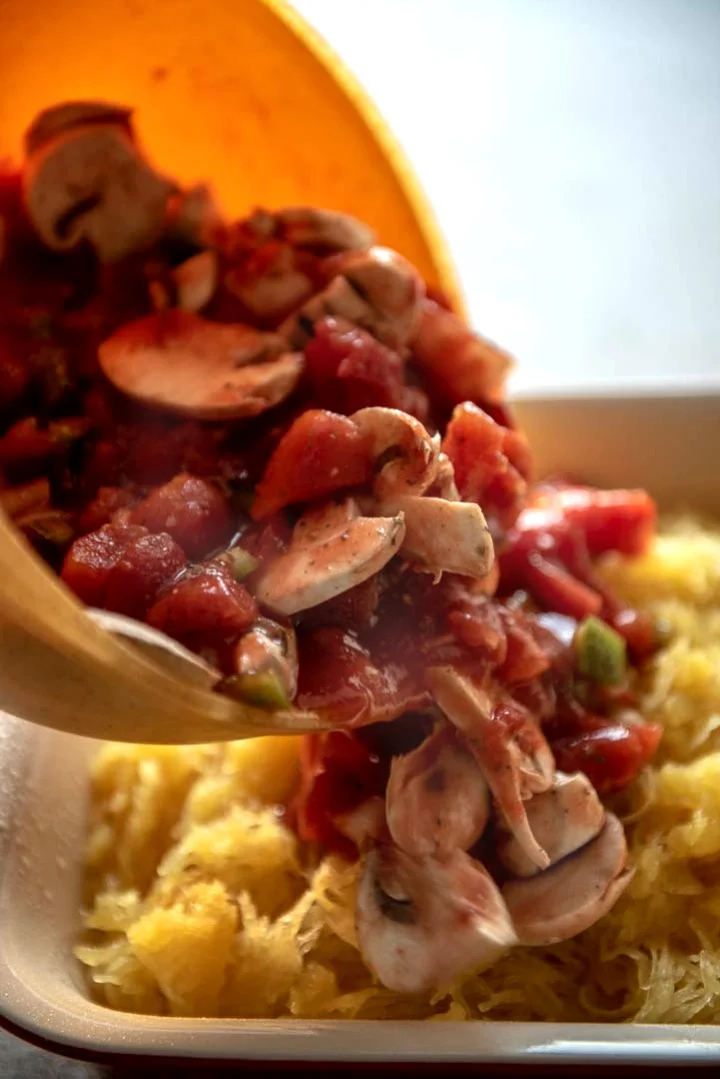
point(206, 607)
point(191, 510)
point(321, 453)
point(122, 568)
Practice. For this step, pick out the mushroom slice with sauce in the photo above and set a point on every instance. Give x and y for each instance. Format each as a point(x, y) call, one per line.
point(562, 819)
point(332, 550)
point(571, 896)
point(437, 799)
point(327, 230)
point(422, 922)
point(392, 289)
point(52, 122)
point(507, 744)
point(183, 363)
point(84, 179)
point(405, 455)
point(378, 290)
point(442, 536)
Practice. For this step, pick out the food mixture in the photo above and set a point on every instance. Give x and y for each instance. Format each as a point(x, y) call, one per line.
point(271, 440)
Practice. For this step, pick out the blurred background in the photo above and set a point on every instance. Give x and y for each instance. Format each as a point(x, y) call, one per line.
point(571, 149)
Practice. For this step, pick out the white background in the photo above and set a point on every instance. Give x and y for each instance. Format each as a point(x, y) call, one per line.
point(571, 149)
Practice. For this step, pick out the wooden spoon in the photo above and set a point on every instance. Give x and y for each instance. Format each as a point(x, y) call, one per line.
point(61, 669)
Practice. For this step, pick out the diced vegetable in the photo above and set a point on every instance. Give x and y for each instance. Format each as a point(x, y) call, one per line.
point(241, 562)
point(263, 689)
point(601, 653)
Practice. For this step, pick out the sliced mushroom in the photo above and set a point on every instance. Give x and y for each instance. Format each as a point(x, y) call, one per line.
point(183, 363)
point(338, 300)
point(327, 230)
point(442, 536)
point(91, 183)
point(422, 922)
point(575, 893)
point(460, 363)
point(332, 550)
point(437, 798)
point(196, 280)
point(270, 294)
point(405, 455)
point(378, 290)
point(507, 744)
point(562, 819)
point(445, 479)
point(59, 118)
point(392, 289)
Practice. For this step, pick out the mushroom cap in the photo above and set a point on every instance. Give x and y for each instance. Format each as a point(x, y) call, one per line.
point(422, 922)
point(182, 363)
point(572, 895)
point(90, 183)
point(437, 798)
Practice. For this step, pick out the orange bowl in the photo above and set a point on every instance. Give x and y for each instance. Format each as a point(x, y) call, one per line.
point(241, 93)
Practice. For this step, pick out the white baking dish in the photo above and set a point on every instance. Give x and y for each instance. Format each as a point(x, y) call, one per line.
point(666, 440)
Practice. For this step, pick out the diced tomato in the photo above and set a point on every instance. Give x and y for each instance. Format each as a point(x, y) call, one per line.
point(321, 453)
point(191, 510)
point(338, 679)
point(622, 520)
point(349, 370)
point(121, 568)
point(145, 567)
point(204, 607)
point(351, 610)
point(337, 774)
point(610, 756)
point(491, 462)
point(525, 659)
point(101, 510)
point(27, 442)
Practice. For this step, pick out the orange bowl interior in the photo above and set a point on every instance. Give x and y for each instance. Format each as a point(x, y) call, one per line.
point(241, 93)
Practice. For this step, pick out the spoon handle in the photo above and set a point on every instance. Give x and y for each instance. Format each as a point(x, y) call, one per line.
point(61, 670)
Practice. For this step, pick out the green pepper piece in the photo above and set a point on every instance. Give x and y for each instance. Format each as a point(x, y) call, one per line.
point(242, 563)
point(600, 652)
point(263, 690)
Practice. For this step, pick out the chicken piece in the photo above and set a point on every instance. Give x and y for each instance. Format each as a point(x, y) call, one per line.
point(461, 365)
point(507, 744)
point(365, 824)
point(571, 896)
point(378, 290)
point(422, 922)
point(182, 363)
point(562, 819)
point(332, 550)
point(441, 536)
point(85, 179)
point(437, 799)
point(405, 455)
point(325, 230)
